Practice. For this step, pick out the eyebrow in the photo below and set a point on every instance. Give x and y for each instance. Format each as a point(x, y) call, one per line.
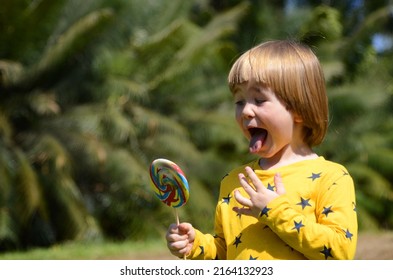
point(235, 89)
point(256, 88)
point(259, 89)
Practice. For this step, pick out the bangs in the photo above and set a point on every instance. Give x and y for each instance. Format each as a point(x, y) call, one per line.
point(256, 65)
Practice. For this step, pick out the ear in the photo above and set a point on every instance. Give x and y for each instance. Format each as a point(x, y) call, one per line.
point(297, 118)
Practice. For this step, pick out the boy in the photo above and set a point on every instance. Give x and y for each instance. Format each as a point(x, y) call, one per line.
point(289, 203)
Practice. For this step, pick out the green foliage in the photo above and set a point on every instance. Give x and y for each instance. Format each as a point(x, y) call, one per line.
point(324, 24)
point(84, 146)
point(360, 138)
point(91, 92)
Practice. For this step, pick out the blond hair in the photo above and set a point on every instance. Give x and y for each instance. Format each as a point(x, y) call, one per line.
point(293, 72)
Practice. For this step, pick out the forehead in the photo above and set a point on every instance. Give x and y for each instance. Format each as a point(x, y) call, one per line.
point(252, 87)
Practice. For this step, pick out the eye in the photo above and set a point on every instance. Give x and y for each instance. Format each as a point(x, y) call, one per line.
point(259, 101)
point(239, 102)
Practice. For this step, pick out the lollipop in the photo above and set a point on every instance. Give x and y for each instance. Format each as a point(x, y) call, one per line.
point(169, 183)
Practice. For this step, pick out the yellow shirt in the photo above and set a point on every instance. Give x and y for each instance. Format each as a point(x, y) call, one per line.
point(315, 219)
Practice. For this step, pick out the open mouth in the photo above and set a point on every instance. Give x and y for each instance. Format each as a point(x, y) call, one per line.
point(258, 137)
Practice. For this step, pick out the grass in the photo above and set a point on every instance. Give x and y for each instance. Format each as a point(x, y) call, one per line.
point(90, 251)
point(371, 246)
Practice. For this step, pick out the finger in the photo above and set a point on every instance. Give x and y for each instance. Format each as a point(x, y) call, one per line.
point(180, 253)
point(242, 211)
point(184, 228)
point(174, 234)
point(279, 184)
point(178, 249)
point(177, 245)
point(174, 237)
point(255, 179)
point(241, 199)
point(245, 184)
point(173, 228)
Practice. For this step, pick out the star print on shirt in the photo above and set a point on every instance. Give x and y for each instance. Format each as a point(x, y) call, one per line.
point(237, 240)
point(226, 199)
point(304, 202)
point(348, 234)
point(265, 212)
point(252, 258)
point(327, 252)
point(327, 210)
point(298, 226)
point(202, 250)
point(270, 187)
point(315, 176)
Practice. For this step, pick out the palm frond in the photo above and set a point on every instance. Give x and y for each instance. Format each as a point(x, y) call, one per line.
point(151, 123)
point(220, 26)
point(10, 72)
point(122, 169)
point(8, 232)
point(8, 228)
point(216, 129)
point(116, 126)
point(44, 103)
point(28, 190)
point(74, 39)
point(171, 35)
point(128, 198)
point(5, 128)
point(194, 46)
point(65, 206)
point(381, 159)
point(374, 192)
point(21, 18)
point(85, 119)
point(68, 211)
point(126, 89)
point(48, 153)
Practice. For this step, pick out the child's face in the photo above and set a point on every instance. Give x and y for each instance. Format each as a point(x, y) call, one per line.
point(271, 129)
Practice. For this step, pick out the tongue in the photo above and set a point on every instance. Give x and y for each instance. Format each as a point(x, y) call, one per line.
point(256, 141)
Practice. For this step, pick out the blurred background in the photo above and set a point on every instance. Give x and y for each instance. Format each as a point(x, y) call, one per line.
point(92, 91)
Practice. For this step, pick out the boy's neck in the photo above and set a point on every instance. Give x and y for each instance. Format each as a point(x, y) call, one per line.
point(287, 156)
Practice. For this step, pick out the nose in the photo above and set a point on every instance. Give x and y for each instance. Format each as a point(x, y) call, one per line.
point(248, 111)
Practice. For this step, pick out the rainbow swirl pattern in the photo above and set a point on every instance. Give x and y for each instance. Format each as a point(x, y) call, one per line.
point(169, 182)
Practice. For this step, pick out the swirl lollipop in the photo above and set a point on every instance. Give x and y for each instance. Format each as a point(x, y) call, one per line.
point(169, 183)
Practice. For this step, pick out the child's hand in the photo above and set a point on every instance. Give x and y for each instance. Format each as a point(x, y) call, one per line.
point(260, 196)
point(180, 239)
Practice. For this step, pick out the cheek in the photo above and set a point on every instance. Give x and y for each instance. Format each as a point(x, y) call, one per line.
point(285, 125)
point(239, 120)
point(238, 114)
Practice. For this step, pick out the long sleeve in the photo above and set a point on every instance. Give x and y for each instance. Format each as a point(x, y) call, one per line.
point(315, 219)
point(207, 246)
point(322, 224)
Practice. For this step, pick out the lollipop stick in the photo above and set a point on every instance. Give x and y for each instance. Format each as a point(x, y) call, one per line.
point(177, 217)
point(178, 223)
